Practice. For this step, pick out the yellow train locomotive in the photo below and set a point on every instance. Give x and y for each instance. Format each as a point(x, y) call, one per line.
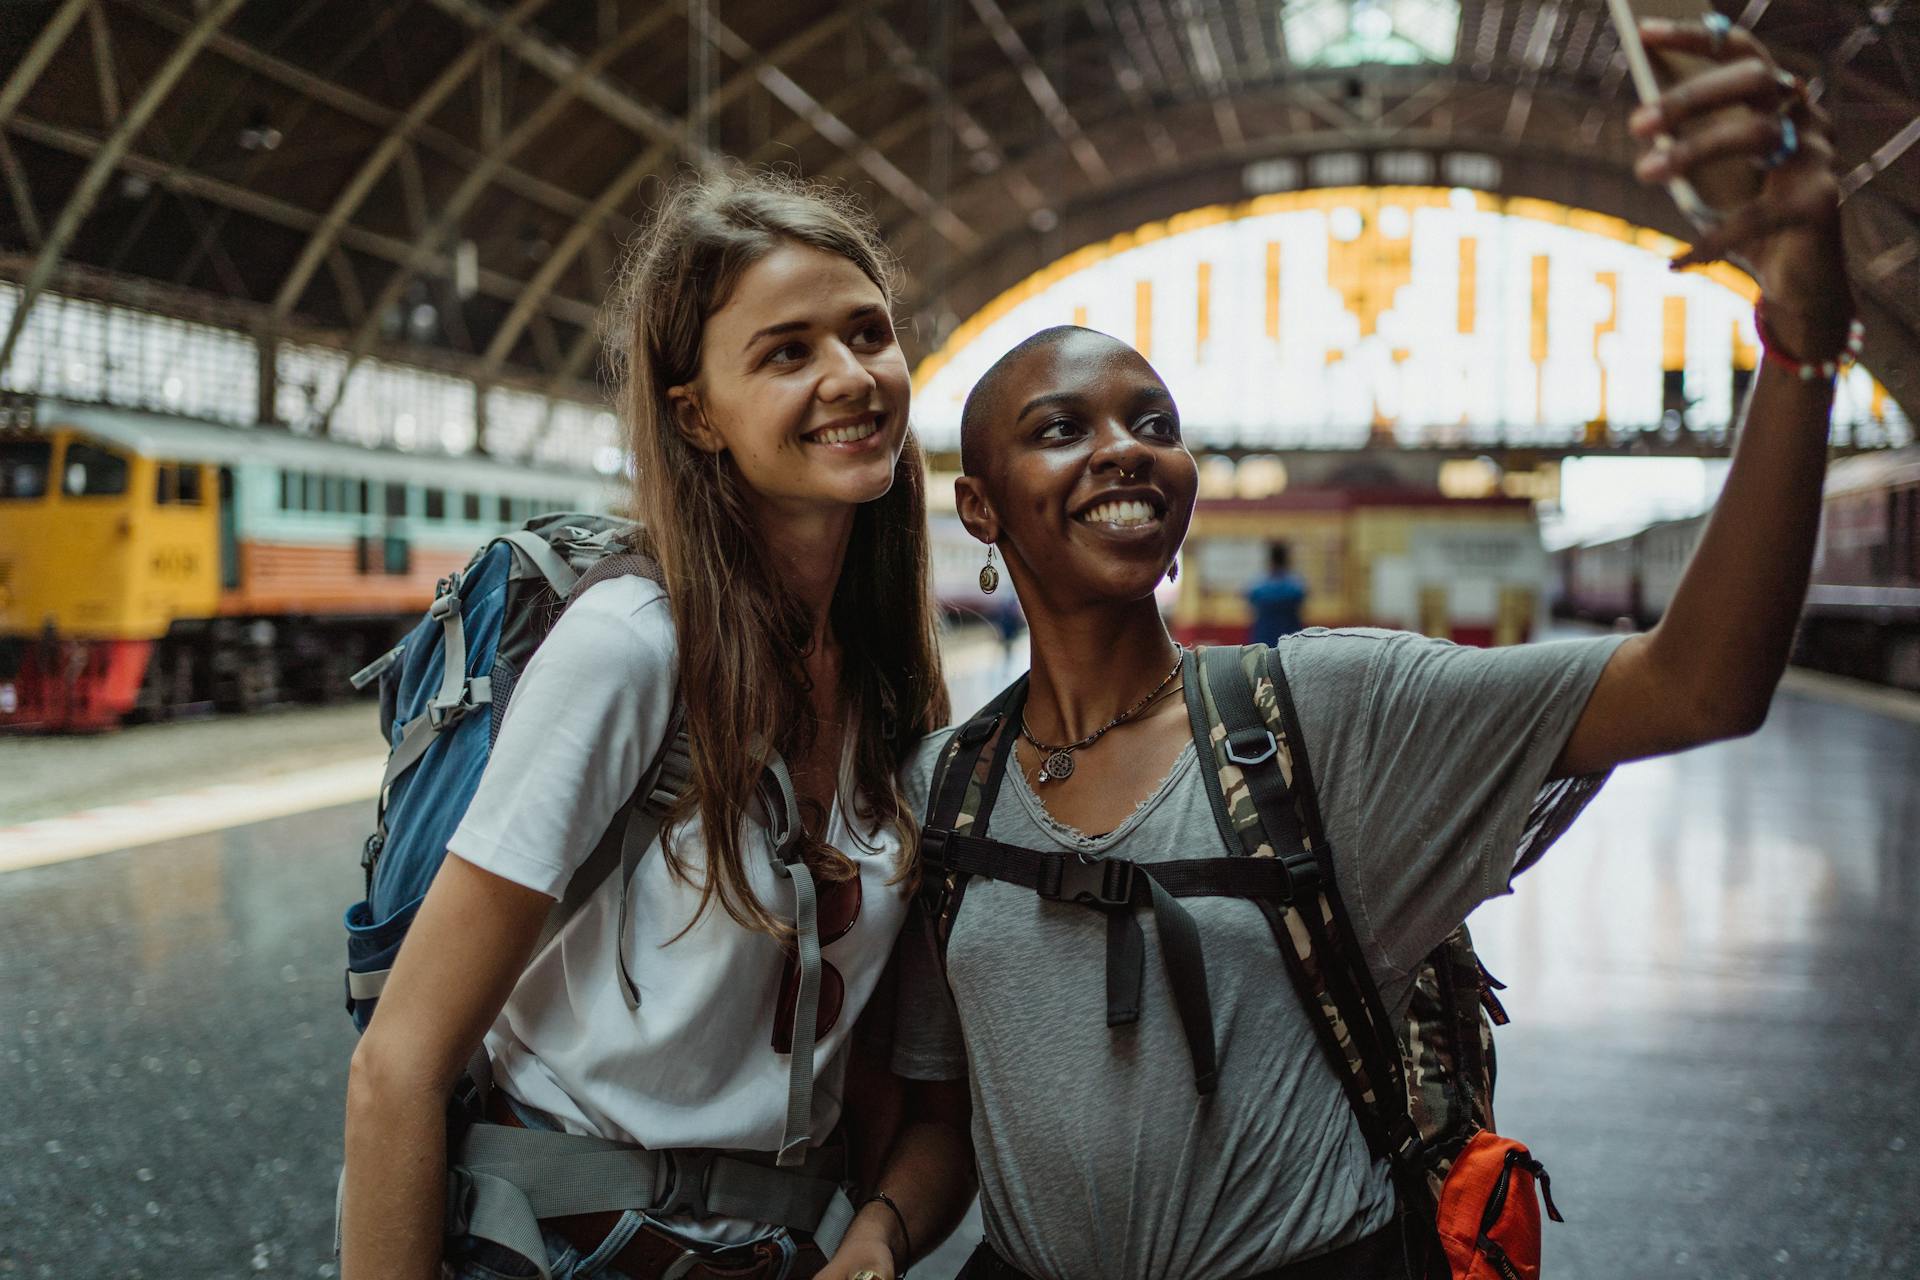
point(150, 564)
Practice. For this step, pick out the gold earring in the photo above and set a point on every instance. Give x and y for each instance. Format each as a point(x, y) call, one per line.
point(989, 576)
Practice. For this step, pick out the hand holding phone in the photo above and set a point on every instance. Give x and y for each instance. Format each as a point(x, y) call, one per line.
point(1748, 156)
point(1712, 189)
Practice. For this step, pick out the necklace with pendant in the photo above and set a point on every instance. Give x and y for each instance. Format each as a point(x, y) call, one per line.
point(1058, 760)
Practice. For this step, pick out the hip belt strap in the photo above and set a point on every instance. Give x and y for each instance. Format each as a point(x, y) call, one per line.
point(1117, 886)
point(504, 1179)
point(1380, 1256)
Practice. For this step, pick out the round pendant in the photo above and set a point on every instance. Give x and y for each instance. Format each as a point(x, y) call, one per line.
point(989, 579)
point(1059, 766)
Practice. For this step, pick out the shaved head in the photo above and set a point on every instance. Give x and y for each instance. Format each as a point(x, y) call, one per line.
point(1060, 429)
point(984, 402)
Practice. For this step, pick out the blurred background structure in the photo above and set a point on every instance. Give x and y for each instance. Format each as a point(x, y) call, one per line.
point(300, 302)
point(1372, 244)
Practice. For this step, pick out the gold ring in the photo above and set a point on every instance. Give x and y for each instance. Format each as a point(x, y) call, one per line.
point(865, 1273)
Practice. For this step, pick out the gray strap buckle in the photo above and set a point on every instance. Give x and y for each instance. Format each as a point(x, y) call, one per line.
point(692, 1170)
point(475, 693)
point(1258, 751)
point(446, 597)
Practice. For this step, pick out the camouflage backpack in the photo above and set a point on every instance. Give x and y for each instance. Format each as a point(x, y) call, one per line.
point(1420, 1089)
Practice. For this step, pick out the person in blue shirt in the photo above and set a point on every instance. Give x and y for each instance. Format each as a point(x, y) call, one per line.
point(1277, 598)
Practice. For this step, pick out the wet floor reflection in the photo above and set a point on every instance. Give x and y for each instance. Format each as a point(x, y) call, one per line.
point(1713, 979)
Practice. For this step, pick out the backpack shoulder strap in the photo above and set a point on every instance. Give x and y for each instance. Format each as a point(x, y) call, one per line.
point(621, 564)
point(633, 830)
point(1263, 796)
point(966, 780)
point(966, 777)
point(636, 826)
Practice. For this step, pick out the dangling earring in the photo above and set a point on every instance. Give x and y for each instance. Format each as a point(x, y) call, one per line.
point(1173, 573)
point(989, 576)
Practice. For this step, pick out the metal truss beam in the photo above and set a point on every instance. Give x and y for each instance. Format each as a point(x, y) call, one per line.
point(1130, 77)
point(22, 194)
point(94, 180)
point(380, 116)
point(985, 150)
point(314, 253)
point(1042, 90)
point(38, 54)
point(437, 229)
point(585, 228)
point(1420, 93)
point(103, 64)
point(244, 200)
point(834, 130)
point(559, 65)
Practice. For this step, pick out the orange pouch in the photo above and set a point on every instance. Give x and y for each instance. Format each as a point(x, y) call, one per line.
point(1489, 1216)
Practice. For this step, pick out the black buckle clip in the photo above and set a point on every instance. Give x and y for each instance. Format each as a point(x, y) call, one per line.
point(933, 846)
point(1259, 747)
point(1303, 874)
point(370, 852)
point(692, 1168)
point(1105, 882)
point(1408, 1146)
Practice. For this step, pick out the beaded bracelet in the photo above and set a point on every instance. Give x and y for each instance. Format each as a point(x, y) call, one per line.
point(1808, 369)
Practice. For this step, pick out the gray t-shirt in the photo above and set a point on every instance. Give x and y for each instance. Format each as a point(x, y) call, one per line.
point(1097, 1159)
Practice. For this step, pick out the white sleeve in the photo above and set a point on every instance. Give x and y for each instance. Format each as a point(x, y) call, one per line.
point(584, 720)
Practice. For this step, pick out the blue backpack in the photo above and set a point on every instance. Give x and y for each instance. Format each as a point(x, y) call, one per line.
point(443, 694)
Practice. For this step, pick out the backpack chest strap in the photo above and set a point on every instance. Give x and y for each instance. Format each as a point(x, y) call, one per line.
point(1117, 886)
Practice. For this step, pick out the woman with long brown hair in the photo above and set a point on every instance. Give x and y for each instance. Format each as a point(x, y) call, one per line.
point(767, 399)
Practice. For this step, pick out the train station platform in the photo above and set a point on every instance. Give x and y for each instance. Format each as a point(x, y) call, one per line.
point(1712, 979)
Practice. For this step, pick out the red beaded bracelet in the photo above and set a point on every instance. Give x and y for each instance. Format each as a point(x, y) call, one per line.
point(1808, 369)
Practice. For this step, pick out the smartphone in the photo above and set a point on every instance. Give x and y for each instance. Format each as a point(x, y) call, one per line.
point(1721, 185)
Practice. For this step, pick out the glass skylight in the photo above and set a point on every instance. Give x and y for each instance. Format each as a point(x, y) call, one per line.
point(1346, 33)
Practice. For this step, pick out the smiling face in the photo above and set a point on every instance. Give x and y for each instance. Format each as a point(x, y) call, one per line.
point(802, 382)
point(1081, 478)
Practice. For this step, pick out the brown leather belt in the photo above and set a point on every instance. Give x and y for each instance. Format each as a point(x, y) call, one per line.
point(652, 1253)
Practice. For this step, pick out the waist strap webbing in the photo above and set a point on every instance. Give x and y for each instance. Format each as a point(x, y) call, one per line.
point(504, 1179)
point(1380, 1256)
point(1117, 886)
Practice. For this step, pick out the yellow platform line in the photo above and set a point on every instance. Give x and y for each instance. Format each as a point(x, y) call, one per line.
point(217, 808)
point(191, 813)
point(111, 828)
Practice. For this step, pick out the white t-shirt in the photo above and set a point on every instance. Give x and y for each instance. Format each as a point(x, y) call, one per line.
point(695, 1066)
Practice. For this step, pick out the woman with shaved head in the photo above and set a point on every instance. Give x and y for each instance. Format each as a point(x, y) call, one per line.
point(1198, 1130)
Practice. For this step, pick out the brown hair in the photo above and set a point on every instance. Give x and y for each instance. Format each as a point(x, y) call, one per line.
point(743, 635)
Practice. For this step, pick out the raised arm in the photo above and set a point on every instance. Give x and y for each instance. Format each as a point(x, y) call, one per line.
point(1709, 668)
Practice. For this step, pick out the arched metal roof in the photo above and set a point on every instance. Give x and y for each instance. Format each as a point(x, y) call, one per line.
point(328, 167)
